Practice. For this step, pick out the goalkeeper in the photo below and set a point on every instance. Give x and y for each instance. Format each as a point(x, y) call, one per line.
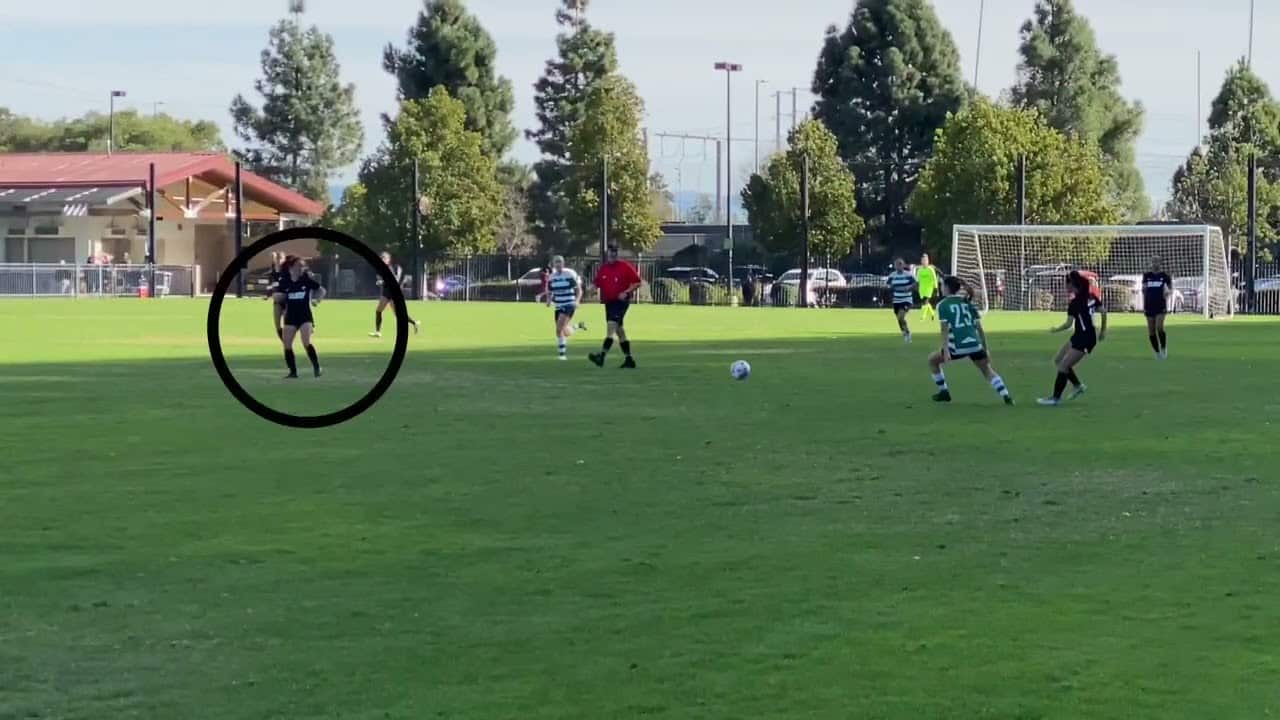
point(927, 281)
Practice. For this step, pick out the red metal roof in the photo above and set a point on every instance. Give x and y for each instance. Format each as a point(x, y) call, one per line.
point(126, 168)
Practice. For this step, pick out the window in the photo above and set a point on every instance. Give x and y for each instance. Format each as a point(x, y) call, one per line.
point(51, 250)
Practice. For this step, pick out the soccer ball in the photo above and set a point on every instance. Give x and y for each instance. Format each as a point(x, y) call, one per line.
point(740, 370)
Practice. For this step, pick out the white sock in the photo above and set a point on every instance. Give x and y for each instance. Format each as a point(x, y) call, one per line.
point(997, 382)
point(940, 380)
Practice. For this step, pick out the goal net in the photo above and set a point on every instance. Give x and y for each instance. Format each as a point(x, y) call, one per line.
point(1025, 267)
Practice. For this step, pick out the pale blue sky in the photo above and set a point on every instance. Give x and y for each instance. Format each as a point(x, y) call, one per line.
point(61, 57)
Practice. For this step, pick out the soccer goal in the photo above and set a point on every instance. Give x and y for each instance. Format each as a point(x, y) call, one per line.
point(1025, 267)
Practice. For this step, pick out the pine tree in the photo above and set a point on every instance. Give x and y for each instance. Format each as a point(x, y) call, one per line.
point(610, 131)
point(1066, 77)
point(449, 47)
point(885, 85)
point(308, 126)
point(585, 56)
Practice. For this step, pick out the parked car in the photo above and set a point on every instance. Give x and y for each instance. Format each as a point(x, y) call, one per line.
point(532, 279)
point(693, 275)
point(818, 278)
point(451, 284)
point(866, 280)
point(1191, 291)
point(1132, 284)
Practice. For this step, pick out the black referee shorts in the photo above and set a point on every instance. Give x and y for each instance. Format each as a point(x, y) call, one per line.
point(615, 311)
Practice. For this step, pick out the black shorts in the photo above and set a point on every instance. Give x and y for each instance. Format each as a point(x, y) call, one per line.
point(901, 307)
point(386, 296)
point(1155, 312)
point(566, 311)
point(1084, 343)
point(977, 357)
point(298, 318)
point(934, 299)
point(615, 311)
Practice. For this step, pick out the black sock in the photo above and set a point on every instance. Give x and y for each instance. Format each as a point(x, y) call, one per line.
point(377, 321)
point(1164, 341)
point(608, 343)
point(291, 361)
point(1155, 341)
point(1059, 385)
point(315, 359)
point(626, 347)
point(1071, 375)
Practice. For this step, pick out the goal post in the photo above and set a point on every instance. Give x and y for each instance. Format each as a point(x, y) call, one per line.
point(1025, 267)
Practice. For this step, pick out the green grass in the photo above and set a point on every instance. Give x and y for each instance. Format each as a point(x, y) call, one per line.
point(505, 536)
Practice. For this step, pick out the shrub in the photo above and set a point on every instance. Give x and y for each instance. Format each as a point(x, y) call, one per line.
point(667, 291)
point(1118, 298)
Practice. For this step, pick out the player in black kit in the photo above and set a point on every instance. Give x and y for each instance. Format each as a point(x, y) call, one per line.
point(386, 300)
point(299, 292)
point(274, 279)
point(1157, 286)
point(1084, 338)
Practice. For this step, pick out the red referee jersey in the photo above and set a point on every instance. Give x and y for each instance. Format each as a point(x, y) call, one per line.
point(614, 278)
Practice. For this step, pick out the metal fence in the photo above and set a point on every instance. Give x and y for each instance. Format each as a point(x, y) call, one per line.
point(1266, 288)
point(76, 280)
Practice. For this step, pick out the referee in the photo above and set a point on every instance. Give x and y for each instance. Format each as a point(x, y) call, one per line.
point(617, 280)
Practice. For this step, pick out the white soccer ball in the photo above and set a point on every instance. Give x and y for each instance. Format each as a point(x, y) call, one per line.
point(740, 370)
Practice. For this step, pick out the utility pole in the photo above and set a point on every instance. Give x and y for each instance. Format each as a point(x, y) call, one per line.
point(758, 84)
point(777, 118)
point(977, 58)
point(729, 69)
point(111, 120)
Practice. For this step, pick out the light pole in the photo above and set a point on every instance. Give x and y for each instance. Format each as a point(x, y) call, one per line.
point(758, 83)
point(977, 58)
point(111, 120)
point(729, 69)
point(155, 107)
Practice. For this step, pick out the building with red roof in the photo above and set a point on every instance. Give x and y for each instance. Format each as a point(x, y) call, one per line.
point(63, 207)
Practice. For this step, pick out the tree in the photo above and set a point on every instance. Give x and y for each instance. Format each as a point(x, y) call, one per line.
point(1212, 185)
point(610, 132)
point(1077, 89)
point(885, 85)
point(702, 212)
point(308, 127)
point(449, 47)
point(773, 200)
point(661, 198)
point(514, 237)
point(88, 133)
point(971, 178)
point(459, 182)
point(585, 57)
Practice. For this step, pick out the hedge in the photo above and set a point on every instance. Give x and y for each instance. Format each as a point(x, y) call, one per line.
point(667, 291)
point(703, 294)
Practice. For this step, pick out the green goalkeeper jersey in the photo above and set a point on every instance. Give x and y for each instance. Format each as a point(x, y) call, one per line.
point(927, 279)
point(962, 320)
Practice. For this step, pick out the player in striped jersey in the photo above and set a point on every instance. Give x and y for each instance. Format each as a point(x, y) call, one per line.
point(904, 287)
point(564, 293)
point(962, 337)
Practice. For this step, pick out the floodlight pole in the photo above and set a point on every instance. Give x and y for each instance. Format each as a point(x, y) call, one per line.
point(111, 120)
point(729, 69)
point(416, 294)
point(758, 84)
point(151, 231)
point(239, 231)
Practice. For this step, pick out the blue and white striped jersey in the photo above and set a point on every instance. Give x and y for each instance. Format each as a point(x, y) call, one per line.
point(563, 287)
point(902, 284)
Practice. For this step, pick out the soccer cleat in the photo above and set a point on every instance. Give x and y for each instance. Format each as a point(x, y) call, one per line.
point(319, 372)
point(943, 397)
point(414, 323)
point(1164, 354)
point(562, 356)
point(1008, 400)
point(906, 338)
point(1049, 402)
point(1078, 391)
point(628, 364)
point(597, 359)
point(291, 376)
point(375, 334)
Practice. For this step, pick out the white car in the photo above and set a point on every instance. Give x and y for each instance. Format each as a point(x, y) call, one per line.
point(531, 279)
point(1133, 284)
point(818, 278)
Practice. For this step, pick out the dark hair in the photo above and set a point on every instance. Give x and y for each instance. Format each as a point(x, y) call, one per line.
point(953, 283)
point(1079, 282)
point(289, 262)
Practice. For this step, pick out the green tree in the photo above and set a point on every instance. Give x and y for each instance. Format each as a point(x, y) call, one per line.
point(585, 56)
point(88, 133)
point(610, 131)
point(661, 197)
point(1212, 185)
point(459, 182)
point(773, 201)
point(1077, 89)
point(308, 127)
point(885, 84)
point(448, 46)
point(971, 179)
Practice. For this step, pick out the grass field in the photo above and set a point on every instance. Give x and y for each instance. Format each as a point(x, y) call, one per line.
point(505, 536)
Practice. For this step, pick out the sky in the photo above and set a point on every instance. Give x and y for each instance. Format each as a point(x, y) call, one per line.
point(62, 57)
